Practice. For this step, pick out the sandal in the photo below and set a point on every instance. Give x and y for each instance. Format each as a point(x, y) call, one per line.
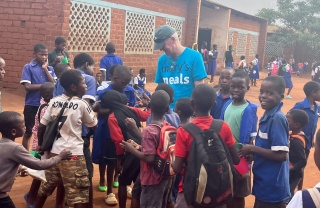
point(116, 184)
point(102, 188)
point(111, 199)
point(129, 192)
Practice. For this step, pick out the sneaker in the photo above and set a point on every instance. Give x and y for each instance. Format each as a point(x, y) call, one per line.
point(289, 97)
point(129, 192)
point(111, 199)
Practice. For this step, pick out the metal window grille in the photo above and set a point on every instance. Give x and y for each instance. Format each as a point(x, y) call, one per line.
point(177, 25)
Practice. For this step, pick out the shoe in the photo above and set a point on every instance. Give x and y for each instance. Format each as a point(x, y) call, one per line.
point(27, 202)
point(102, 188)
point(289, 97)
point(116, 184)
point(111, 199)
point(129, 192)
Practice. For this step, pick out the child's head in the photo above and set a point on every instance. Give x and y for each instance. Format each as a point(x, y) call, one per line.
point(121, 77)
point(312, 90)
point(239, 85)
point(60, 43)
point(60, 68)
point(242, 57)
point(230, 47)
point(46, 91)
point(317, 150)
point(225, 78)
point(40, 52)
point(11, 125)
point(98, 77)
point(110, 47)
point(284, 62)
point(111, 70)
point(167, 88)
point(183, 108)
point(257, 56)
point(271, 92)
point(2, 65)
point(204, 45)
point(142, 72)
point(84, 61)
point(73, 82)
point(203, 99)
point(159, 103)
point(297, 119)
point(214, 46)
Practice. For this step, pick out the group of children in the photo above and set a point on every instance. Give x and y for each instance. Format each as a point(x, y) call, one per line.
point(109, 115)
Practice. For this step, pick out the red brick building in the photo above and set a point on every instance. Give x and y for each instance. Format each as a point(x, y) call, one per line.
point(89, 24)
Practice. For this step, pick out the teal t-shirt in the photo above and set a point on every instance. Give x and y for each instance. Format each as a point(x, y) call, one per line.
point(181, 73)
point(233, 116)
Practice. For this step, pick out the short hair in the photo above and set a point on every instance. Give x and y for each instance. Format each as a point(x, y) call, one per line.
point(159, 102)
point(70, 77)
point(299, 116)
point(59, 40)
point(278, 82)
point(311, 87)
point(142, 70)
point(242, 57)
point(184, 105)
point(8, 121)
point(110, 47)
point(60, 67)
point(284, 62)
point(121, 70)
point(81, 59)
point(231, 70)
point(46, 86)
point(39, 47)
point(167, 88)
point(214, 45)
point(204, 97)
point(242, 75)
point(257, 56)
point(112, 68)
point(318, 138)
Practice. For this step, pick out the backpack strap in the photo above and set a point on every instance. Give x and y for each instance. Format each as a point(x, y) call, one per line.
point(311, 198)
point(300, 137)
point(41, 107)
point(216, 125)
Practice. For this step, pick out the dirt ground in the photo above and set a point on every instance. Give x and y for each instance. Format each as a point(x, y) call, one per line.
point(13, 102)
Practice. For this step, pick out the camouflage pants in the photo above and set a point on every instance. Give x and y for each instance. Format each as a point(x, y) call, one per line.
point(74, 176)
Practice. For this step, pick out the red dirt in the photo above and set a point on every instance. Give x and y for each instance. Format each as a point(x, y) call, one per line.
point(13, 102)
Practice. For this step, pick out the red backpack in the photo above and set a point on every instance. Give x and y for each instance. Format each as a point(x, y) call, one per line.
point(164, 157)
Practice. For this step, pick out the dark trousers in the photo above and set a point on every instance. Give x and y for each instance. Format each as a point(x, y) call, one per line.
point(6, 202)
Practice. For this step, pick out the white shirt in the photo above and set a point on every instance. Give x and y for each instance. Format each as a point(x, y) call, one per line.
point(135, 81)
point(296, 201)
point(77, 112)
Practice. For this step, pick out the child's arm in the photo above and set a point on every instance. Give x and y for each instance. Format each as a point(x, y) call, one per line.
point(177, 164)
point(266, 153)
point(46, 71)
point(297, 148)
point(130, 148)
point(132, 126)
point(234, 154)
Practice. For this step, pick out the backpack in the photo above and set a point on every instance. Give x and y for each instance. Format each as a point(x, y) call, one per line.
point(208, 180)
point(275, 69)
point(311, 198)
point(282, 70)
point(164, 156)
point(299, 136)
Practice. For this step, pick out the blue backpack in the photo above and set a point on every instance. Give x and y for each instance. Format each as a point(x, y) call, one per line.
point(311, 198)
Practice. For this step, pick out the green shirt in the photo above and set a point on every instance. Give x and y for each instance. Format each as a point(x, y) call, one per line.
point(233, 116)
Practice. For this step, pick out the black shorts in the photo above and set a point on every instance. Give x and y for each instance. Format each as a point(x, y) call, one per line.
point(130, 170)
point(87, 155)
point(29, 113)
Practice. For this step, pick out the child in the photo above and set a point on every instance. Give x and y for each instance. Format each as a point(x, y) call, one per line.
point(59, 55)
point(229, 58)
point(223, 94)
point(171, 117)
point(73, 173)
point(184, 110)
point(204, 53)
point(304, 199)
point(288, 80)
point(13, 154)
point(212, 62)
point(104, 151)
point(271, 165)
point(98, 79)
point(203, 100)
point(241, 115)
point(297, 119)
point(312, 91)
point(33, 75)
point(139, 85)
point(46, 92)
point(242, 64)
point(300, 68)
point(2, 73)
point(108, 60)
point(58, 70)
point(152, 183)
point(254, 74)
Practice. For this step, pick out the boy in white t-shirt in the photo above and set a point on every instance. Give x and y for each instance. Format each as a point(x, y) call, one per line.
point(73, 173)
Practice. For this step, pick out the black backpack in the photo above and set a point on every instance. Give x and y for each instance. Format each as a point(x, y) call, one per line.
point(208, 180)
point(282, 70)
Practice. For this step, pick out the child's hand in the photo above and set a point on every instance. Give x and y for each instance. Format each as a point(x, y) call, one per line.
point(136, 145)
point(65, 155)
point(127, 146)
point(45, 66)
point(246, 149)
point(130, 123)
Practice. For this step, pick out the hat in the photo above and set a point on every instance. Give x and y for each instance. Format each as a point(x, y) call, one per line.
point(162, 34)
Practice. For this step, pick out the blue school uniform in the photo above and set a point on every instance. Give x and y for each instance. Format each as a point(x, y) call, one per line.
point(141, 86)
point(129, 92)
point(254, 73)
point(107, 61)
point(288, 80)
point(248, 126)
point(58, 89)
point(309, 129)
point(220, 101)
point(271, 178)
point(33, 73)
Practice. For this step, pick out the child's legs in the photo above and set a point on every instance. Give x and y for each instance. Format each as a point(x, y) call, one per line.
point(102, 173)
point(89, 166)
point(33, 191)
point(6, 202)
point(293, 184)
point(136, 193)
point(289, 90)
point(29, 113)
point(75, 180)
point(261, 204)
point(60, 196)
point(110, 174)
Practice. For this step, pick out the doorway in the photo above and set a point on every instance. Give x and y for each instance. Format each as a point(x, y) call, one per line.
point(204, 34)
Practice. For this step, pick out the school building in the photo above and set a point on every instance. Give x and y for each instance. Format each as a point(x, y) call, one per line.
point(89, 24)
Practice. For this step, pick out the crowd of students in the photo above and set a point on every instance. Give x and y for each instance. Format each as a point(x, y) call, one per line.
point(127, 153)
